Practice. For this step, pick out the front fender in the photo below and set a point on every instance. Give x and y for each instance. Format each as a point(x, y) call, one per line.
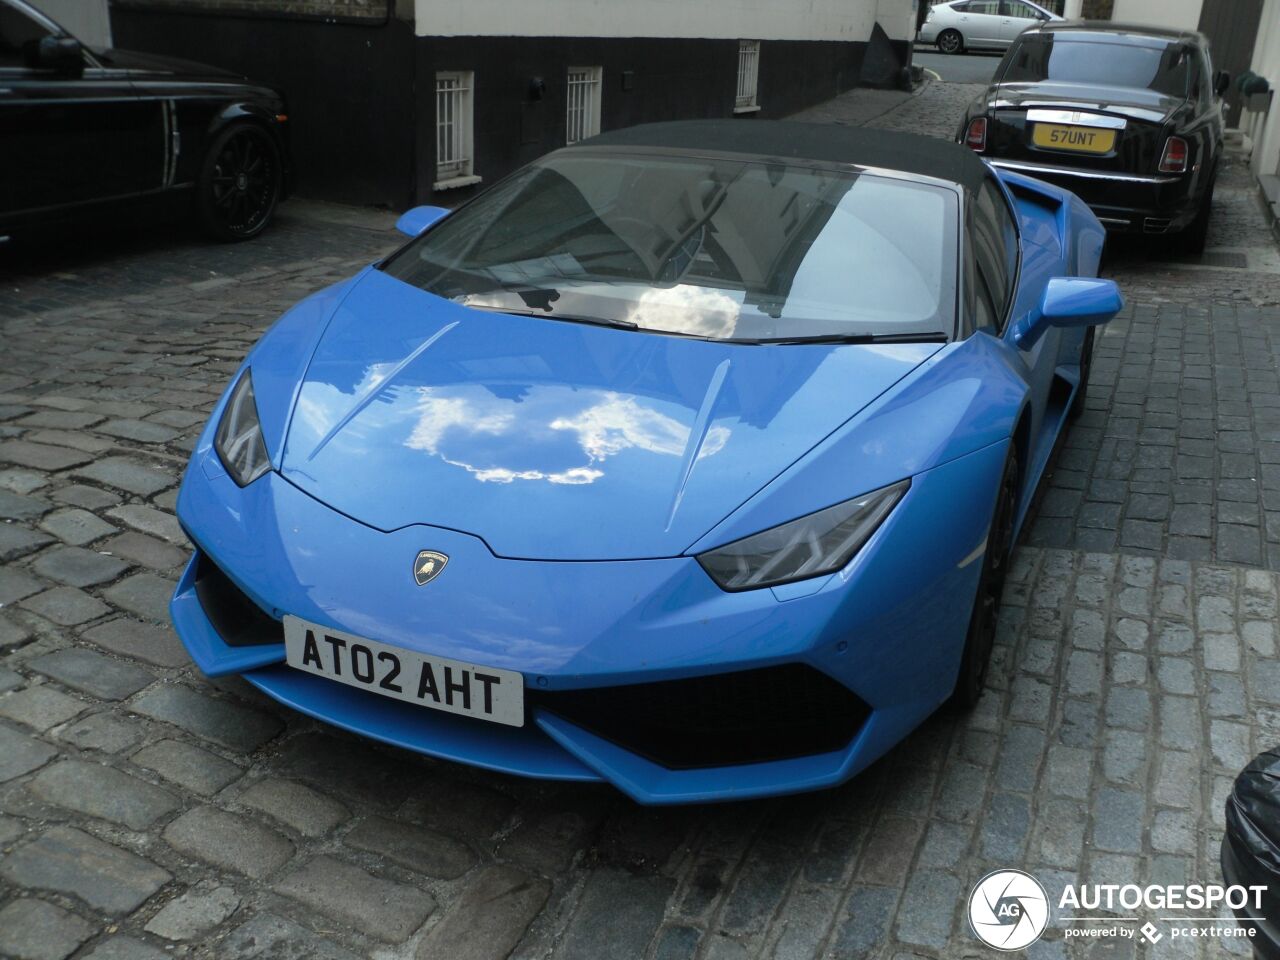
point(965, 397)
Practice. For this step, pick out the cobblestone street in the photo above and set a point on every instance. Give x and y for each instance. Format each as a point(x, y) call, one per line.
point(148, 812)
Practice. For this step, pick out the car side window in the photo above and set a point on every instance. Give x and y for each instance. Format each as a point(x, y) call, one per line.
point(995, 245)
point(19, 35)
point(989, 7)
point(1023, 11)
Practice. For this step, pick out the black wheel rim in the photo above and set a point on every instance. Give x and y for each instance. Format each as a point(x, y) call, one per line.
point(243, 186)
point(1086, 358)
point(949, 42)
point(995, 570)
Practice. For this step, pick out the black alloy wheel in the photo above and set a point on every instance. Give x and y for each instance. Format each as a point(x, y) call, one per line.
point(1086, 367)
point(950, 41)
point(240, 182)
point(995, 567)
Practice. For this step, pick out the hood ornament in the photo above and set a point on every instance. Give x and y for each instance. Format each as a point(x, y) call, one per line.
point(427, 566)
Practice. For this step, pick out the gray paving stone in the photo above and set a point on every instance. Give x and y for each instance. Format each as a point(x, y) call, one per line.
point(143, 594)
point(78, 567)
point(103, 732)
point(17, 540)
point(145, 641)
point(21, 754)
point(66, 606)
point(310, 813)
point(129, 475)
point(271, 937)
point(380, 908)
point(40, 707)
point(419, 849)
point(89, 498)
point(38, 456)
point(66, 860)
point(101, 791)
point(194, 913)
point(125, 948)
point(228, 841)
point(619, 913)
point(864, 927)
point(188, 766)
point(16, 506)
point(9, 680)
point(141, 431)
point(150, 521)
point(928, 905)
point(490, 916)
point(146, 551)
point(75, 526)
point(34, 930)
point(1118, 817)
point(16, 584)
point(12, 634)
point(228, 724)
point(92, 673)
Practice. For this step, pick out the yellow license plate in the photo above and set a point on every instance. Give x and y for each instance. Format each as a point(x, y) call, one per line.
point(1059, 136)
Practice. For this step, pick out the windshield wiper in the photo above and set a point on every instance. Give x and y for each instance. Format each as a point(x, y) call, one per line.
point(850, 338)
point(567, 317)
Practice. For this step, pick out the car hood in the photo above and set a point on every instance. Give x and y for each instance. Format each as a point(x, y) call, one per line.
point(1146, 105)
point(553, 440)
point(158, 65)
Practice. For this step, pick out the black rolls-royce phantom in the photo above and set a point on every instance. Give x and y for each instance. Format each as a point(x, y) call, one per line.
point(103, 131)
point(1129, 118)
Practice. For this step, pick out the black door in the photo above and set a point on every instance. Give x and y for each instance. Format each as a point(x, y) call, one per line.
point(1232, 27)
point(72, 133)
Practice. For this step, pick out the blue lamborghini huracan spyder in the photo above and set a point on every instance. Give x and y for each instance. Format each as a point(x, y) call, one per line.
point(688, 458)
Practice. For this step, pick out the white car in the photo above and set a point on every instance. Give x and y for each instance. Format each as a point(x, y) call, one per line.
point(980, 24)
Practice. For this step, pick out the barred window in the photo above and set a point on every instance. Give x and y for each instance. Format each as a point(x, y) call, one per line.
point(582, 113)
point(748, 75)
point(454, 144)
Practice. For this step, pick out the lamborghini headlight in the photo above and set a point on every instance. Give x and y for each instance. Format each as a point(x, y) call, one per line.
point(239, 438)
point(808, 547)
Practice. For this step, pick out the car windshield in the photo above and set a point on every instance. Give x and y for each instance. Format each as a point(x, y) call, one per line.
point(723, 249)
point(1165, 69)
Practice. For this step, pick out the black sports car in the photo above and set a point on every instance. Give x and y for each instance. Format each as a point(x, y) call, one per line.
point(107, 130)
point(1129, 118)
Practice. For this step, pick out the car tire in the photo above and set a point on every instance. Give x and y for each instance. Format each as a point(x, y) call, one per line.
point(950, 41)
point(980, 638)
point(1192, 239)
point(240, 182)
point(1086, 367)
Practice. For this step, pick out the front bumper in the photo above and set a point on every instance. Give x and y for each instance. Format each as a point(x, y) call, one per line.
point(1123, 202)
point(888, 629)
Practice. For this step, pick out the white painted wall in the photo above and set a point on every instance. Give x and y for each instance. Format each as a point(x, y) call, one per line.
point(720, 19)
point(1177, 14)
point(1264, 128)
point(86, 19)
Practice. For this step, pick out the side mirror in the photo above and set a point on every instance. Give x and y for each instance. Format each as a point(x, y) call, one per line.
point(63, 55)
point(1069, 302)
point(1221, 82)
point(413, 222)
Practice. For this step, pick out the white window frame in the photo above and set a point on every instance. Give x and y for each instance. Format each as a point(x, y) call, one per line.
point(583, 89)
point(455, 139)
point(748, 100)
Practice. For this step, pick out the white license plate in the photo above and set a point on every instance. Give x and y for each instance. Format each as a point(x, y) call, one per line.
point(449, 685)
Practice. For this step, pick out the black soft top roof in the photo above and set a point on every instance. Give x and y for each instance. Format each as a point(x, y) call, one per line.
point(830, 143)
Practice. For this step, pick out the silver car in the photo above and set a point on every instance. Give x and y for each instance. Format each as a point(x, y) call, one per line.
point(980, 24)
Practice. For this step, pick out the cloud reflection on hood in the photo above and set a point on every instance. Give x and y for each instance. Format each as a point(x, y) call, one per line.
point(605, 428)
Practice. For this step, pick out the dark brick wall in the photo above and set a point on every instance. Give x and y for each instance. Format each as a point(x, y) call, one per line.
point(348, 86)
point(325, 9)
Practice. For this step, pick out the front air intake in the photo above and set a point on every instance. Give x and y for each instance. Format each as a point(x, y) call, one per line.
point(749, 716)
